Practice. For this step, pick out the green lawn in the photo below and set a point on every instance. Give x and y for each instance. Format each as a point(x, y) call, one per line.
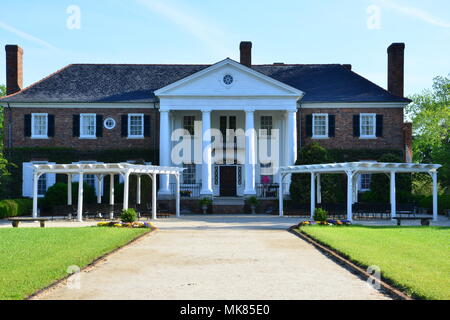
point(416, 259)
point(33, 258)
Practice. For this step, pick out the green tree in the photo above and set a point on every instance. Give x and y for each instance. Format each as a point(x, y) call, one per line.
point(430, 113)
point(3, 162)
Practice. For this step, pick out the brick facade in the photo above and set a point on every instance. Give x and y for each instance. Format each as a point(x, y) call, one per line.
point(111, 139)
point(393, 133)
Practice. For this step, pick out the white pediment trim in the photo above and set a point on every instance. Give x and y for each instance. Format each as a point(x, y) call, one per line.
point(290, 91)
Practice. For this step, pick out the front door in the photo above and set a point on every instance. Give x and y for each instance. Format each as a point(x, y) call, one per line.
point(227, 181)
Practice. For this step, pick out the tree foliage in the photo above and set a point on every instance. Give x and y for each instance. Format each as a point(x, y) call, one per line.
point(3, 162)
point(430, 113)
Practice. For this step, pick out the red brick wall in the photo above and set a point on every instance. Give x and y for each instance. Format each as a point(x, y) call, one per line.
point(111, 139)
point(393, 135)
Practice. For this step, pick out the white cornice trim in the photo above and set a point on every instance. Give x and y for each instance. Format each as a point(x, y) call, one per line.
point(85, 105)
point(355, 105)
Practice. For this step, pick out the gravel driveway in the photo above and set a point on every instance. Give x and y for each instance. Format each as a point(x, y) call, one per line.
point(218, 257)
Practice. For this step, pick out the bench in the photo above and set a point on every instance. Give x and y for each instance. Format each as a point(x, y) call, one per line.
point(15, 221)
point(424, 221)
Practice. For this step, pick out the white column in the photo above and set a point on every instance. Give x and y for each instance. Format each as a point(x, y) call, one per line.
point(250, 153)
point(319, 189)
point(99, 188)
point(280, 195)
point(126, 189)
point(80, 198)
point(349, 195)
point(111, 195)
point(69, 189)
point(435, 195)
point(313, 195)
point(177, 198)
point(164, 150)
point(35, 195)
point(138, 189)
point(206, 152)
point(355, 188)
point(154, 196)
point(291, 143)
point(393, 200)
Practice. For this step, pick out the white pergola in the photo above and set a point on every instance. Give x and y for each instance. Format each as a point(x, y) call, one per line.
point(102, 170)
point(353, 170)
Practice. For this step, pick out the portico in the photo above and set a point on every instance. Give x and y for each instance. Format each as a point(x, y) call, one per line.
point(223, 97)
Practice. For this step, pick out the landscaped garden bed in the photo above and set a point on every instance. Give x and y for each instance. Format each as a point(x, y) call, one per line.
point(414, 259)
point(33, 258)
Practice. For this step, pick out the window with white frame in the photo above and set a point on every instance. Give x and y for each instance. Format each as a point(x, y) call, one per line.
point(266, 125)
point(87, 125)
point(42, 185)
point(189, 124)
point(39, 125)
point(367, 123)
point(320, 125)
point(189, 174)
point(364, 181)
point(135, 125)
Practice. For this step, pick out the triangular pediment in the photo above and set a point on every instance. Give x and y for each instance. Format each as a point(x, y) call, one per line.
point(228, 78)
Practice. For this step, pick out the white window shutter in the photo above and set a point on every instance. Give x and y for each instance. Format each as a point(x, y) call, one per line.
point(27, 179)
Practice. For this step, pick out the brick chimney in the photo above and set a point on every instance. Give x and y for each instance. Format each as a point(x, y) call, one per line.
point(14, 68)
point(396, 52)
point(407, 137)
point(246, 53)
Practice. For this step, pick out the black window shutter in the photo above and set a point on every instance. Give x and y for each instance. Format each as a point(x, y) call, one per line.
point(51, 125)
point(356, 132)
point(331, 125)
point(76, 125)
point(99, 125)
point(146, 126)
point(27, 125)
point(308, 125)
point(379, 132)
point(124, 125)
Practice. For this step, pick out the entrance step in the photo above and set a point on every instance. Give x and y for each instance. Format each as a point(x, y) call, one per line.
point(228, 205)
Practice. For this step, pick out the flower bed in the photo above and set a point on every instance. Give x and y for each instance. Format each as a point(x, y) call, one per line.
point(115, 224)
point(329, 222)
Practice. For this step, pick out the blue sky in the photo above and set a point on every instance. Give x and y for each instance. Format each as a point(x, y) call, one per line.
point(201, 31)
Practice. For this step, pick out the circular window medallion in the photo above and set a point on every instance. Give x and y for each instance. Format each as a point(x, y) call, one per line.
point(109, 123)
point(228, 79)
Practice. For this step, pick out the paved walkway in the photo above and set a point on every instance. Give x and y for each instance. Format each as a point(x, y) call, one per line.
point(218, 257)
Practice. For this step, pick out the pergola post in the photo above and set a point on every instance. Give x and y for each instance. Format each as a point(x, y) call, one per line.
point(138, 189)
point(435, 195)
point(177, 195)
point(313, 195)
point(393, 199)
point(319, 189)
point(126, 189)
point(80, 198)
point(111, 196)
point(349, 195)
point(69, 189)
point(154, 196)
point(280, 195)
point(35, 194)
point(99, 188)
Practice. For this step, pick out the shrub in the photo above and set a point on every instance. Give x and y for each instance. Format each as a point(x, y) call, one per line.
point(205, 202)
point(128, 215)
point(56, 195)
point(253, 201)
point(15, 207)
point(320, 214)
point(427, 202)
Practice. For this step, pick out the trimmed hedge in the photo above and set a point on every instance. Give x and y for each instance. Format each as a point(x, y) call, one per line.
point(427, 202)
point(15, 207)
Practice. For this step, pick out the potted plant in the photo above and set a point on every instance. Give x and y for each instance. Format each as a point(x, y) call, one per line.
point(204, 203)
point(253, 202)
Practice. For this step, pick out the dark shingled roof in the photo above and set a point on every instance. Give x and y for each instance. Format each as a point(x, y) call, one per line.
point(102, 83)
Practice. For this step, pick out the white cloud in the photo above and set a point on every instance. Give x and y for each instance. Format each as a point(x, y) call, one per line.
point(206, 32)
point(25, 35)
point(414, 13)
